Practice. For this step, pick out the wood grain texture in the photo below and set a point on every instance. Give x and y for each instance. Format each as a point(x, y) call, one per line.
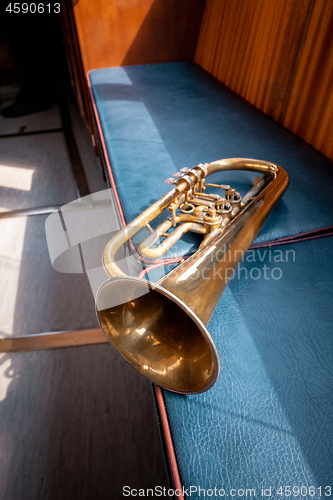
point(252, 47)
point(278, 55)
point(53, 340)
point(35, 297)
point(114, 33)
point(309, 113)
point(74, 62)
point(77, 424)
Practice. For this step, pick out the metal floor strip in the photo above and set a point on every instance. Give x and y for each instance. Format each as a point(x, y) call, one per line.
point(24, 212)
point(29, 211)
point(52, 340)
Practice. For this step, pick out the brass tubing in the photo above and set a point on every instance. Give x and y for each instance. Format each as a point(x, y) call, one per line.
point(109, 253)
point(129, 231)
point(210, 237)
point(170, 240)
point(258, 186)
point(154, 210)
point(144, 247)
point(154, 236)
point(208, 271)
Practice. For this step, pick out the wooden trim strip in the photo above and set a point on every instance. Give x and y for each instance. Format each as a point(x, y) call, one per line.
point(52, 340)
point(24, 212)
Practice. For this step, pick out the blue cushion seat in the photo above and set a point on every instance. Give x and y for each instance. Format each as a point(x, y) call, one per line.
point(268, 419)
point(267, 422)
point(158, 118)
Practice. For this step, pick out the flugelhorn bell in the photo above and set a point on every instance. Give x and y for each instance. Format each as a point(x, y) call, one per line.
point(161, 328)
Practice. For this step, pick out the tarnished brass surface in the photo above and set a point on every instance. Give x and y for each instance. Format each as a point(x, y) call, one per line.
point(158, 335)
point(160, 329)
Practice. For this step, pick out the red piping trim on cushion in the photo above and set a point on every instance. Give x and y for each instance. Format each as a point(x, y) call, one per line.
point(308, 235)
point(105, 153)
point(168, 441)
point(159, 395)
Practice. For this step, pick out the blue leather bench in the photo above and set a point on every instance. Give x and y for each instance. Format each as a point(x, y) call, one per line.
point(267, 422)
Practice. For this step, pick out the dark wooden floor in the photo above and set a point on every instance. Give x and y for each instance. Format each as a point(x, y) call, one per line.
point(75, 423)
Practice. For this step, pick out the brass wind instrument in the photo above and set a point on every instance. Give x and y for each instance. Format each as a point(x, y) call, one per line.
point(161, 328)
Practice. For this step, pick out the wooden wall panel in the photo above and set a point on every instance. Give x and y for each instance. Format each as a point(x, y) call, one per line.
point(253, 46)
point(74, 62)
point(278, 55)
point(125, 32)
point(309, 113)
